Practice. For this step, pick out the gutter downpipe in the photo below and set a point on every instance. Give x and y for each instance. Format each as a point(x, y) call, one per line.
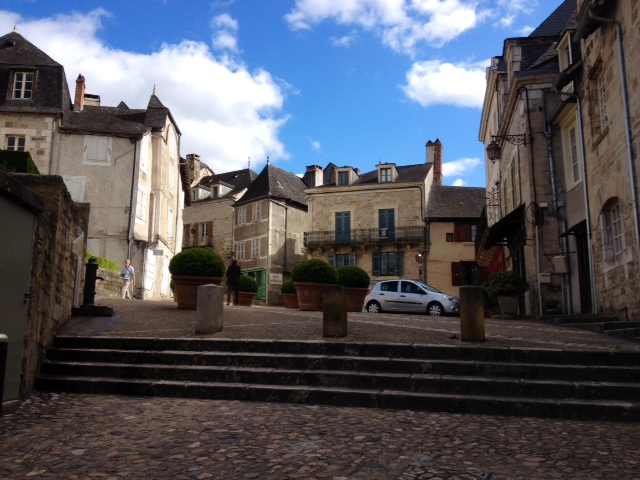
point(627, 124)
point(133, 182)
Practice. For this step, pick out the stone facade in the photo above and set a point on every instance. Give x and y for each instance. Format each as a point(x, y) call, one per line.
point(38, 131)
point(57, 268)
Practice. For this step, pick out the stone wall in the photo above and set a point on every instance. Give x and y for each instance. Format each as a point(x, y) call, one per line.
point(110, 286)
point(38, 132)
point(57, 270)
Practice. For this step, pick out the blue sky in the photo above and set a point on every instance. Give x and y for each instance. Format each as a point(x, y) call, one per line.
point(303, 82)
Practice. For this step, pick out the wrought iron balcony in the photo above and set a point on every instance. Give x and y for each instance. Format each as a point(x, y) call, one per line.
point(364, 236)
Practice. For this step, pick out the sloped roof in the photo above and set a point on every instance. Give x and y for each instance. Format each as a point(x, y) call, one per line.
point(237, 180)
point(276, 183)
point(406, 174)
point(111, 120)
point(555, 23)
point(51, 94)
point(448, 202)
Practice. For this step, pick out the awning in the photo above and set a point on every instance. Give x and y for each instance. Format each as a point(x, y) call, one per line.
point(507, 231)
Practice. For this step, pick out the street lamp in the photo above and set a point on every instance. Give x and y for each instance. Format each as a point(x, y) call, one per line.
point(494, 151)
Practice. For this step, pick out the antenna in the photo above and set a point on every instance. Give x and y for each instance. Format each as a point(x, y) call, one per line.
point(267, 159)
point(249, 163)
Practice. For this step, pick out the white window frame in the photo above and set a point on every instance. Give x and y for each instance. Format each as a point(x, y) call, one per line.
point(170, 224)
point(613, 231)
point(97, 150)
point(385, 175)
point(571, 150)
point(27, 83)
point(144, 154)
point(255, 248)
point(141, 206)
point(16, 143)
point(172, 179)
point(257, 212)
point(204, 233)
point(240, 250)
point(242, 215)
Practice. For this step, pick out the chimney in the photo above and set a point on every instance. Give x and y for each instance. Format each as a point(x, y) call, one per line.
point(437, 162)
point(78, 103)
point(313, 176)
point(357, 170)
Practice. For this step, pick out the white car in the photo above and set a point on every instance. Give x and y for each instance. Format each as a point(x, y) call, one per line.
point(409, 296)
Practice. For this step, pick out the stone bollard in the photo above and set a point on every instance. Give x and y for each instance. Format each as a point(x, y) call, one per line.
point(334, 311)
point(4, 346)
point(209, 309)
point(471, 314)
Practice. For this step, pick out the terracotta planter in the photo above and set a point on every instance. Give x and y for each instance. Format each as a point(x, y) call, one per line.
point(245, 299)
point(290, 300)
point(186, 291)
point(355, 298)
point(509, 304)
point(310, 295)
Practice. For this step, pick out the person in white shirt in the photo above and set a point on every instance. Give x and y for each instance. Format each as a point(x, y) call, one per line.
point(128, 275)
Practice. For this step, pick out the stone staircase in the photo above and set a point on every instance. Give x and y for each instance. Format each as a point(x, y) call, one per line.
point(601, 324)
point(495, 381)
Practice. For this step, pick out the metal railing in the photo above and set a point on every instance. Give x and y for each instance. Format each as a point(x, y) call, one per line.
point(364, 236)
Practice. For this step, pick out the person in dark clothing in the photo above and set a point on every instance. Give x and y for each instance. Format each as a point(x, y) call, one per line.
point(233, 279)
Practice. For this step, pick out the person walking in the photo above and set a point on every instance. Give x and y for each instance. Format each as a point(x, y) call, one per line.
point(233, 279)
point(128, 275)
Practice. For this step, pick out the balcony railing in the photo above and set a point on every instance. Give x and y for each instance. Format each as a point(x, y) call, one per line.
point(364, 236)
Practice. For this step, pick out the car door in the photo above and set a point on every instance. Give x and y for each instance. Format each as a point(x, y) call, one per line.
point(388, 295)
point(411, 297)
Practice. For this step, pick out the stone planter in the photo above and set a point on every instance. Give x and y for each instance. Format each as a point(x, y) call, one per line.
point(355, 298)
point(186, 291)
point(245, 299)
point(310, 295)
point(290, 301)
point(509, 304)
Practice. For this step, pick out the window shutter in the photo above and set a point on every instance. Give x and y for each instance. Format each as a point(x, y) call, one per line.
point(457, 274)
point(458, 232)
point(352, 259)
point(399, 262)
point(376, 264)
point(332, 260)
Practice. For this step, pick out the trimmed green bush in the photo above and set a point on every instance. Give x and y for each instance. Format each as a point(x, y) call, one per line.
point(18, 162)
point(352, 276)
point(288, 287)
point(197, 262)
point(103, 262)
point(247, 284)
point(315, 270)
point(505, 283)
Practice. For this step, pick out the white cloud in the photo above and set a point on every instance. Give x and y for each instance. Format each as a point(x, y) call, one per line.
point(344, 41)
point(461, 166)
point(434, 82)
point(225, 112)
point(315, 145)
point(225, 35)
point(401, 24)
point(459, 183)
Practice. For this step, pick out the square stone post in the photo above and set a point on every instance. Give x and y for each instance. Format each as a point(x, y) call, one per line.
point(471, 314)
point(209, 309)
point(334, 311)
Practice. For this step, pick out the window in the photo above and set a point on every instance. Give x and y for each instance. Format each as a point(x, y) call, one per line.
point(170, 224)
point(386, 224)
point(387, 263)
point(194, 194)
point(613, 229)
point(204, 234)
point(16, 143)
point(343, 227)
point(240, 250)
point(257, 212)
point(255, 248)
point(141, 206)
point(340, 260)
point(571, 150)
point(515, 182)
point(449, 237)
point(144, 153)
point(343, 178)
point(172, 179)
point(385, 175)
point(602, 107)
point(23, 85)
point(464, 232)
point(242, 215)
point(97, 150)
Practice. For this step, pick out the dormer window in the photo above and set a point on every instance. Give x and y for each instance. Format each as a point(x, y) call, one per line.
point(343, 178)
point(387, 173)
point(22, 85)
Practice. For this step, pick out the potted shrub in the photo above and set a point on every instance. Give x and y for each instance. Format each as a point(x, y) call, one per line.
point(551, 306)
point(289, 295)
point(506, 287)
point(191, 268)
point(247, 289)
point(356, 281)
point(310, 277)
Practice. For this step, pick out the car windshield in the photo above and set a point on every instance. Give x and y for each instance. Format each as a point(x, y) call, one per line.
point(428, 287)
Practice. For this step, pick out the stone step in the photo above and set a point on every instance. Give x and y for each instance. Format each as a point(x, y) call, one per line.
point(569, 319)
point(614, 410)
point(427, 382)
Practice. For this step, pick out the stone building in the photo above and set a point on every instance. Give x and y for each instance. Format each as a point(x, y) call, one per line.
point(124, 162)
point(374, 220)
point(526, 211)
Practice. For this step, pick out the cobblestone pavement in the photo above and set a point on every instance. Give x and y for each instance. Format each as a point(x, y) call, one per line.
point(71, 436)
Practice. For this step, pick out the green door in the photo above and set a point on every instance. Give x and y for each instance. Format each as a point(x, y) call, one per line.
point(260, 276)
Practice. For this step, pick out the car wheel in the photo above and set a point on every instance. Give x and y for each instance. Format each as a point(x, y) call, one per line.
point(435, 309)
point(373, 307)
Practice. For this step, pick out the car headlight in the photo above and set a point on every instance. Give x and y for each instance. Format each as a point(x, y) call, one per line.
point(452, 299)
